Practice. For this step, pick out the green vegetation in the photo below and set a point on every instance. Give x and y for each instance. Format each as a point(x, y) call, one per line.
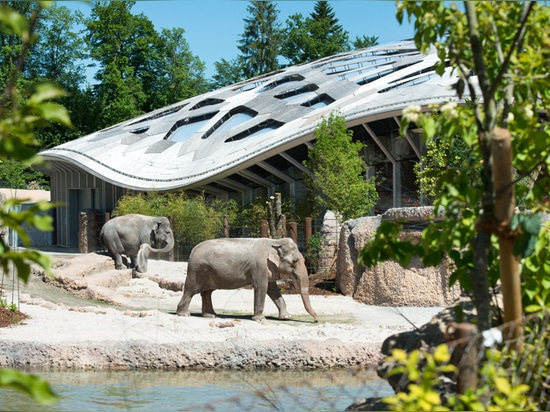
point(193, 219)
point(316, 36)
point(338, 181)
point(486, 239)
point(500, 389)
point(22, 112)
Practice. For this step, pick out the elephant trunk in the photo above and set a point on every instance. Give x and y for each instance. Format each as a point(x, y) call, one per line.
point(145, 249)
point(169, 246)
point(304, 293)
point(303, 284)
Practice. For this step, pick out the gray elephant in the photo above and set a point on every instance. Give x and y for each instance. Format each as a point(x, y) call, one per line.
point(133, 236)
point(234, 263)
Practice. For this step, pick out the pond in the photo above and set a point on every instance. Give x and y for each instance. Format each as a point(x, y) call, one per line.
point(327, 390)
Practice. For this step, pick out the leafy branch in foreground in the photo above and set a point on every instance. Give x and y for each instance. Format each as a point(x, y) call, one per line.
point(21, 114)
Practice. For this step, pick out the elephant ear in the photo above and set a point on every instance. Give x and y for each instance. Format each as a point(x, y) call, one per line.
point(274, 255)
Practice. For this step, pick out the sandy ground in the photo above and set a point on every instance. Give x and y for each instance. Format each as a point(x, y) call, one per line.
point(110, 320)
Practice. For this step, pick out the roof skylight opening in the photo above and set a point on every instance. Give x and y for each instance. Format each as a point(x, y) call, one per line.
point(413, 82)
point(235, 117)
point(140, 130)
point(374, 76)
point(206, 102)
point(282, 80)
point(159, 114)
point(236, 120)
point(255, 131)
point(322, 100)
point(183, 129)
point(297, 92)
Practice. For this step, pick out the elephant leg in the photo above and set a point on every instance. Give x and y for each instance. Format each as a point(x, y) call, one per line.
point(259, 301)
point(133, 262)
point(118, 261)
point(275, 294)
point(207, 308)
point(183, 305)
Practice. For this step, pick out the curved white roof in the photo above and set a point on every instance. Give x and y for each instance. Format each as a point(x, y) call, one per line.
point(197, 141)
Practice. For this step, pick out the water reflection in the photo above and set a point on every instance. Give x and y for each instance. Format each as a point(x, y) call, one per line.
point(202, 390)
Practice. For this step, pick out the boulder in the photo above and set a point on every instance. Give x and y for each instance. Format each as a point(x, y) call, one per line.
point(389, 284)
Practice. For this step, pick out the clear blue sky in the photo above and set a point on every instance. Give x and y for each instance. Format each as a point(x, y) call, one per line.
point(213, 27)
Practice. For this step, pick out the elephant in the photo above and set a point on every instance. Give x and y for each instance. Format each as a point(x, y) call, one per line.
point(133, 235)
point(231, 263)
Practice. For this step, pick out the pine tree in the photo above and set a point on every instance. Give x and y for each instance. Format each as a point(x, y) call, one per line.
point(261, 40)
point(319, 35)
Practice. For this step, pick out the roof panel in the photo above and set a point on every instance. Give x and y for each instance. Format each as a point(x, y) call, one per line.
point(182, 145)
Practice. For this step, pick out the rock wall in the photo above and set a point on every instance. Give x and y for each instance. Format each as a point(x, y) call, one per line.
point(388, 284)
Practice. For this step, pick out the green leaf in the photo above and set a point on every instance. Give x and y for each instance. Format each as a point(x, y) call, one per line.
point(428, 127)
point(14, 22)
point(35, 386)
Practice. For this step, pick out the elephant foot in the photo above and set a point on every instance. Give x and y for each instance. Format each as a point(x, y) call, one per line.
point(258, 318)
point(119, 267)
point(208, 315)
point(285, 316)
point(183, 313)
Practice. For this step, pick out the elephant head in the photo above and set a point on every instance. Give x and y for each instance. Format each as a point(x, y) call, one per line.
point(161, 233)
point(285, 258)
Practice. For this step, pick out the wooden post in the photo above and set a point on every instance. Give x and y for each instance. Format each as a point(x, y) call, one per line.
point(308, 229)
point(226, 225)
point(264, 228)
point(465, 354)
point(501, 150)
point(82, 232)
point(293, 231)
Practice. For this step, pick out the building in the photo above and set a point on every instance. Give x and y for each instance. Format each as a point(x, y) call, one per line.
point(250, 139)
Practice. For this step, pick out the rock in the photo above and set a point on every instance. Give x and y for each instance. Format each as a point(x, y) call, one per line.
point(388, 284)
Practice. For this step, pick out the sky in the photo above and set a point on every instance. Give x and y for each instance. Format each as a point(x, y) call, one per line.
point(214, 27)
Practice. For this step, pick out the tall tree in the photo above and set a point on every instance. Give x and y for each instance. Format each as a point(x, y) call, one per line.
point(339, 180)
point(228, 72)
point(123, 44)
point(499, 56)
point(261, 40)
point(58, 56)
point(316, 36)
point(176, 75)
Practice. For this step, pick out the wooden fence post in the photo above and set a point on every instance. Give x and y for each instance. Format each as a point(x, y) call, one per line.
point(264, 228)
point(501, 150)
point(293, 231)
point(465, 354)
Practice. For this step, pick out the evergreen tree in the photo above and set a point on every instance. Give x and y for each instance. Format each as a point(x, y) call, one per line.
point(365, 41)
point(261, 40)
point(316, 36)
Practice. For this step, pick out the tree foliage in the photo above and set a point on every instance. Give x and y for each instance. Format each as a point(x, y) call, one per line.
point(313, 37)
point(21, 114)
point(338, 179)
point(499, 45)
point(260, 42)
point(365, 41)
point(228, 72)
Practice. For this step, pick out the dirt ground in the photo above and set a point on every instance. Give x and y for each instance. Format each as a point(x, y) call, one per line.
point(91, 316)
point(319, 284)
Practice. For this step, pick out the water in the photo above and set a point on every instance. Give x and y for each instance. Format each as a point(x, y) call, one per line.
point(202, 390)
